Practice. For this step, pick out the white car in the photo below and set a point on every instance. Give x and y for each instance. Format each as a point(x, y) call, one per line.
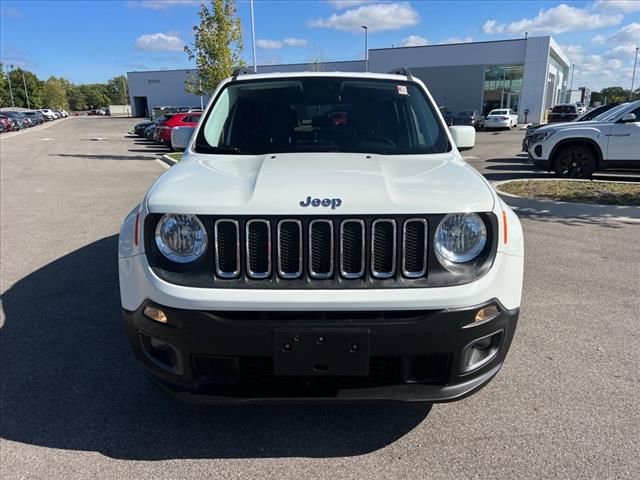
point(501, 118)
point(47, 114)
point(578, 149)
point(292, 256)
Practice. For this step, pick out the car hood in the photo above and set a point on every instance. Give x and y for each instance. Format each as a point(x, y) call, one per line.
point(277, 184)
point(566, 126)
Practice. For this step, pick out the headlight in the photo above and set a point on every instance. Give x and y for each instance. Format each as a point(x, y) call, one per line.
point(181, 238)
point(542, 136)
point(460, 237)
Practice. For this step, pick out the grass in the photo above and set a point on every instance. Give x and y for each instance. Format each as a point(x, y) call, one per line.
point(175, 155)
point(604, 193)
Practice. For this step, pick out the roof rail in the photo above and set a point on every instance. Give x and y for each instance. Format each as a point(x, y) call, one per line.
point(402, 71)
point(241, 71)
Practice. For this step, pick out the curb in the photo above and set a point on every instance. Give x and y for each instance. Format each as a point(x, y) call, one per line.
point(546, 207)
point(168, 160)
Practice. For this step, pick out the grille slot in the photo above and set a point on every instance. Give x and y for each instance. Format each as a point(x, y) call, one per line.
point(383, 248)
point(227, 242)
point(321, 249)
point(352, 253)
point(258, 245)
point(414, 247)
point(290, 248)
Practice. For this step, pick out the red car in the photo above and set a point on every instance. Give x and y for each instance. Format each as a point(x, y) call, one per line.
point(5, 124)
point(163, 130)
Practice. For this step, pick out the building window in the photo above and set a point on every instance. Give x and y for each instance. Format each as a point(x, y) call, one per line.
point(153, 81)
point(502, 87)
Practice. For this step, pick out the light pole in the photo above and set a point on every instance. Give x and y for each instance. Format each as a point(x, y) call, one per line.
point(366, 48)
point(253, 39)
point(573, 71)
point(9, 67)
point(26, 94)
point(633, 78)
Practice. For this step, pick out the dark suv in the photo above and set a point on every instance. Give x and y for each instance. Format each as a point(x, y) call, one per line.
point(563, 113)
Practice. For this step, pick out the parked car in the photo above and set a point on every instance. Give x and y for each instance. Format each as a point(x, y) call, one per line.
point(590, 115)
point(469, 117)
point(577, 150)
point(48, 114)
point(281, 263)
point(564, 113)
point(581, 108)
point(35, 115)
point(151, 131)
point(21, 120)
point(163, 129)
point(447, 115)
point(10, 122)
point(139, 128)
point(6, 125)
point(504, 118)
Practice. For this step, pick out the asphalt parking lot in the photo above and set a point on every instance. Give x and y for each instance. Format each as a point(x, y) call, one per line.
point(76, 405)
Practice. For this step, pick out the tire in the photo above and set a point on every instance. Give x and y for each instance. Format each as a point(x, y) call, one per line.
point(574, 161)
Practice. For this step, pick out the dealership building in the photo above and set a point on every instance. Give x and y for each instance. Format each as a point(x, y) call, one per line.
point(528, 75)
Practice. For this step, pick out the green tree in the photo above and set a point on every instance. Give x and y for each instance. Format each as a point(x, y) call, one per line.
point(77, 100)
point(216, 47)
point(95, 95)
point(117, 89)
point(54, 93)
point(34, 88)
point(5, 101)
point(614, 94)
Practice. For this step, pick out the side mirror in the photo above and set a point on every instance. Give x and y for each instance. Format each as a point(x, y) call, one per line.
point(629, 117)
point(464, 137)
point(180, 137)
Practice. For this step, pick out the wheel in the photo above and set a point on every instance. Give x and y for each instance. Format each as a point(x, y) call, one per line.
point(574, 161)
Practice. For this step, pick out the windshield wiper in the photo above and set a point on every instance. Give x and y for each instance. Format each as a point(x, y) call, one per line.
point(223, 149)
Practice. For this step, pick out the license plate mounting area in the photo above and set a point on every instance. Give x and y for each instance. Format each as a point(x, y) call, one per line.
point(321, 352)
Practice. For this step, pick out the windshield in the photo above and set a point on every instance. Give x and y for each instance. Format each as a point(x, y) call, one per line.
point(609, 114)
point(322, 114)
point(498, 112)
point(466, 113)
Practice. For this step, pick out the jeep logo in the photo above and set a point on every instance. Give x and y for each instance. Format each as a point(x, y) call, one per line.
point(324, 202)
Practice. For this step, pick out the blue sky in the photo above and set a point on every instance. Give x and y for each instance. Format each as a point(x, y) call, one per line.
point(92, 41)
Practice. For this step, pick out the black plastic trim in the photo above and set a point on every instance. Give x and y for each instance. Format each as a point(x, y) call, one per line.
point(201, 272)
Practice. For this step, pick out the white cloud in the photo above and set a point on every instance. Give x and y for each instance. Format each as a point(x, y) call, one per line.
point(160, 42)
point(295, 42)
point(413, 41)
point(275, 44)
point(457, 40)
point(624, 6)
point(627, 34)
point(559, 19)
point(268, 44)
point(378, 17)
point(596, 71)
point(339, 4)
point(160, 4)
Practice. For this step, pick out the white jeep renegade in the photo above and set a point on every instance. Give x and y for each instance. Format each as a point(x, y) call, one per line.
point(322, 239)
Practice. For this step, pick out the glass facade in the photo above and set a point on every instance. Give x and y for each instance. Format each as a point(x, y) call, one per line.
point(502, 87)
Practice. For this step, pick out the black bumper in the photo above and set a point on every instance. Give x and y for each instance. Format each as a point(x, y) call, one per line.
point(237, 357)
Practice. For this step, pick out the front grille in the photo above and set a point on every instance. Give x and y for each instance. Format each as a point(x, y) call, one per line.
point(309, 248)
point(227, 241)
point(314, 252)
point(289, 248)
point(352, 248)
